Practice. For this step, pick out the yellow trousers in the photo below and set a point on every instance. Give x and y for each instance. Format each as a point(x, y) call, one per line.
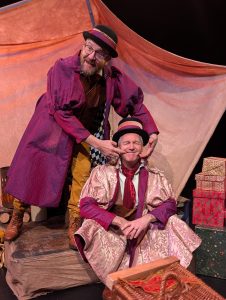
point(80, 169)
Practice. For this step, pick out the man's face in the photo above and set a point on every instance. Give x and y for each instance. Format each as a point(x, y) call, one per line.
point(92, 58)
point(132, 144)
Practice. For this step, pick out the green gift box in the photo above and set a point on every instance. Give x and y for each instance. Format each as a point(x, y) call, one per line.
point(211, 255)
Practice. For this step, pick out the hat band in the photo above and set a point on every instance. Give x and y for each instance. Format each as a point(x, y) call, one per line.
point(104, 37)
point(129, 124)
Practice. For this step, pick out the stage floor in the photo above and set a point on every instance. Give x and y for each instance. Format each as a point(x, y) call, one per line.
point(94, 291)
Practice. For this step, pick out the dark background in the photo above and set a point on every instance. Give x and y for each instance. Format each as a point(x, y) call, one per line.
point(194, 29)
point(191, 28)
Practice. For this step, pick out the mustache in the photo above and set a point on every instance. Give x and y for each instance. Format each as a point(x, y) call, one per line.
point(131, 151)
point(91, 62)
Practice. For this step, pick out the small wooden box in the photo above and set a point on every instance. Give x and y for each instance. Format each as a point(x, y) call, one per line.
point(140, 271)
point(176, 282)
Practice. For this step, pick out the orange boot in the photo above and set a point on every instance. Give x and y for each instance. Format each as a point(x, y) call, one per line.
point(13, 230)
point(74, 224)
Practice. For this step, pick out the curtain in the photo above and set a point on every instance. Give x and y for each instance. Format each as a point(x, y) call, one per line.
point(33, 35)
point(186, 98)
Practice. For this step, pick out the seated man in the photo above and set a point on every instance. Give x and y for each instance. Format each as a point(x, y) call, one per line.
point(130, 211)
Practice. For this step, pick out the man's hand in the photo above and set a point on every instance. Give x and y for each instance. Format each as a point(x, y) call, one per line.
point(107, 147)
point(149, 148)
point(119, 222)
point(132, 229)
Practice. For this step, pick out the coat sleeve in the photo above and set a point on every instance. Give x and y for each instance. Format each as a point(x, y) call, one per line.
point(62, 100)
point(128, 100)
point(163, 212)
point(95, 198)
point(71, 125)
point(89, 209)
point(161, 201)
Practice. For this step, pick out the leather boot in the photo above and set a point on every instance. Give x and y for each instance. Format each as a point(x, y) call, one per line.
point(74, 224)
point(13, 230)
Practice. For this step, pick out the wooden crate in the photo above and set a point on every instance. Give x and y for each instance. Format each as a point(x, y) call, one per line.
point(160, 280)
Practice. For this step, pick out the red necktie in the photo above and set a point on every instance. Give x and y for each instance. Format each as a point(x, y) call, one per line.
point(129, 197)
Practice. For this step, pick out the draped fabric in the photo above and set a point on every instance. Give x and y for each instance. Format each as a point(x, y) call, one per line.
point(186, 98)
point(33, 35)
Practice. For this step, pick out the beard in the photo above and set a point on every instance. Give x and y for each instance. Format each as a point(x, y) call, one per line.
point(90, 67)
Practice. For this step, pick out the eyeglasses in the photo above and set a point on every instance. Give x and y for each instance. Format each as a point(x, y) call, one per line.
point(99, 54)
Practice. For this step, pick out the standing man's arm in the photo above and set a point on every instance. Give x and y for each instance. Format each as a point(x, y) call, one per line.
point(62, 108)
point(128, 100)
point(139, 110)
point(149, 148)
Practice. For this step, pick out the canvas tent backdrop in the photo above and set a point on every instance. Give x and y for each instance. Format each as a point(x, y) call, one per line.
point(186, 98)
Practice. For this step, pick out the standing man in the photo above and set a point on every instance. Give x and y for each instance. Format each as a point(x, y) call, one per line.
point(70, 127)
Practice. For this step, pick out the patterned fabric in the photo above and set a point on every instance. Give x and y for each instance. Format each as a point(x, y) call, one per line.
point(209, 194)
point(105, 250)
point(97, 158)
point(214, 166)
point(129, 197)
point(207, 211)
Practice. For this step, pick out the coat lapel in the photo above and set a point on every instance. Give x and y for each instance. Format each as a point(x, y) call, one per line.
point(142, 188)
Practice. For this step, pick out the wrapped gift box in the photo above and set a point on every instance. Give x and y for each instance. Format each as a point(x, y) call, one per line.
point(209, 212)
point(199, 193)
point(211, 185)
point(210, 182)
point(211, 255)
point(214, 166)
point(203, 176)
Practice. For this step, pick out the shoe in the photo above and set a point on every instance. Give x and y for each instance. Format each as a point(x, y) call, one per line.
point(74, 224)
point(14, 228)
point(107, 294)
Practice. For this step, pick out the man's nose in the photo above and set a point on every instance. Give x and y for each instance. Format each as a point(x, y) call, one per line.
point(92, 55)
point(131, 146)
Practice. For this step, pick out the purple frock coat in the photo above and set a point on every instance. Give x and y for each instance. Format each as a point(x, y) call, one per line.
point(39, 167)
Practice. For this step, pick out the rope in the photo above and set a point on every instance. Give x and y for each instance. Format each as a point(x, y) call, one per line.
point(90, 12)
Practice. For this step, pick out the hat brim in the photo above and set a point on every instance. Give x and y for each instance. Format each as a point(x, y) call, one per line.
point(140, 132)
point(88, 35)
